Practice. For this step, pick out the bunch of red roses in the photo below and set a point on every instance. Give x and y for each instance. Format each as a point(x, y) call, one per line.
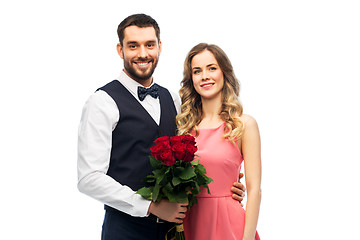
point(168, 150)
point(176, 175)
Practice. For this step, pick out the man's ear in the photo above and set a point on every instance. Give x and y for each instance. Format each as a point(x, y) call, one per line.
point(160, 47)
point(119, 49)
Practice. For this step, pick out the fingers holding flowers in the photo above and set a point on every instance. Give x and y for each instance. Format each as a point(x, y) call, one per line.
point(169, 211)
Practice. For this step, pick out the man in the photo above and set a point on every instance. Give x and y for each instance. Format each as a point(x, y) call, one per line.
point(119, 123)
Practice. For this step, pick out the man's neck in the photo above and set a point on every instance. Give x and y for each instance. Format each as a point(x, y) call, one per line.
point(145, 83)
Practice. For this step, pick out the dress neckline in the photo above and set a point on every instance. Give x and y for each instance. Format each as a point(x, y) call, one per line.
point(215, 128)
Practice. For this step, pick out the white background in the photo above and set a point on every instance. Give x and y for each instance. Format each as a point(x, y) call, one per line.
point(299, 67)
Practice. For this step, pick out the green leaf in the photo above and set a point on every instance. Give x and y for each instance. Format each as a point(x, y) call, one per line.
point(200, 168)
point(195, 162)
point(168, 187)
point(176, 181)
point(155, 193)
point(196, 189)
point(178, 171)
point(160, 196)
point(181, 197)
point(200, 179)
point(192, 200)
point(155, 163)
point(167, 176)
point(206, 186)
point(187, 173)
point(145, 193)
point(159, 179)
point(168, 191)
point(171, 196)
point(208, 180)
point(150, 179)
point(156, 172)
point(159, 174)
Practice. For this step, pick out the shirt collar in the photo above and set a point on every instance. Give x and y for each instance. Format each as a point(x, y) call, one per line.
point(130, 83)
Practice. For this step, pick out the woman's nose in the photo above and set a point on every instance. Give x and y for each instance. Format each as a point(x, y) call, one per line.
point(204, 75)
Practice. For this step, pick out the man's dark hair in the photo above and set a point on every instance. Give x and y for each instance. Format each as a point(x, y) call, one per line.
point(139, 20)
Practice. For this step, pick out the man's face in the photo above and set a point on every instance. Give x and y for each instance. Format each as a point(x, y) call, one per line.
point(140, 52)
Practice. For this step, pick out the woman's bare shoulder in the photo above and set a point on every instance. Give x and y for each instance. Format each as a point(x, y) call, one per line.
point(248, 121)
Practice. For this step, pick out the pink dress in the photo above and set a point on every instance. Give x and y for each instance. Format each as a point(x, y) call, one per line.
point(217, 216)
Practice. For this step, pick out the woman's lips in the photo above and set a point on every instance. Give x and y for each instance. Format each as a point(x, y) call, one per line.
point(207, 85)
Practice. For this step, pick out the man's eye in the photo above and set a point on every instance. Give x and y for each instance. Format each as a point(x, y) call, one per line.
point(150, 45)
point(132, 46)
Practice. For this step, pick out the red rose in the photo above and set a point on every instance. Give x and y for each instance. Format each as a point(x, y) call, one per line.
point(183, 147)
point(176, 139)
point(162, 152)
point(167, 150)
point(190, 152)
point(179, 150)
point(167, 157)
point(188, 139)
point(156, 151)
point(164, 139)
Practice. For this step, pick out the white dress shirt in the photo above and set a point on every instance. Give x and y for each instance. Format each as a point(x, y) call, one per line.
point(99, 118)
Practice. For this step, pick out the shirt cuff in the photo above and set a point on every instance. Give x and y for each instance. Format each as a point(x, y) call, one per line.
point(142, 207)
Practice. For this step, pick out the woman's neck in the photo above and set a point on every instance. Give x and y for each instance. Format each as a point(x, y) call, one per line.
point(210, 109)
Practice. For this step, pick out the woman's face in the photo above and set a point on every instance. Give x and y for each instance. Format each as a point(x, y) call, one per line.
point(208, 78)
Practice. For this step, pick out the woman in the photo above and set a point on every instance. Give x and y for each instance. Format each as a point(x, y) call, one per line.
point(225, 137)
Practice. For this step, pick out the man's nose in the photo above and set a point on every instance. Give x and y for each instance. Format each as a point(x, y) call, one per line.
point(143, 53)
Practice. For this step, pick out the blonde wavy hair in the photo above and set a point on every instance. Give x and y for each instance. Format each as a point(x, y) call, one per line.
point(191, 108)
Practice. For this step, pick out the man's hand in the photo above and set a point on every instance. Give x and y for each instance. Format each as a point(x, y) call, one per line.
point(239, 190)
point(168, 211)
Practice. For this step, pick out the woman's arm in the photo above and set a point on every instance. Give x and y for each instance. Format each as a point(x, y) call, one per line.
point(251, 150)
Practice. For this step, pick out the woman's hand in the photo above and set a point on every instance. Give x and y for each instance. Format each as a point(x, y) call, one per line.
point(238, 190)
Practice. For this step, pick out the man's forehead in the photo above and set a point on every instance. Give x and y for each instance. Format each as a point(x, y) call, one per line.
point(137, 34)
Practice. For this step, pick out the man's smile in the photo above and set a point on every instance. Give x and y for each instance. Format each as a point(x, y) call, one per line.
point(143, 64)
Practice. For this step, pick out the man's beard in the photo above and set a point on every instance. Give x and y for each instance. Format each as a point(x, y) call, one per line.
point(135, 74)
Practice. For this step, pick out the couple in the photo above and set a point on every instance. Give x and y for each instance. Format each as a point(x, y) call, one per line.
point(121, 120)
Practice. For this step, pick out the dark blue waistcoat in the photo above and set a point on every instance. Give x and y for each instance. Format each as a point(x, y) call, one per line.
point(134, 135)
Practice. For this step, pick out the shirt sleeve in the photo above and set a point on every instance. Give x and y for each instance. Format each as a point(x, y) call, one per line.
point(99, 117)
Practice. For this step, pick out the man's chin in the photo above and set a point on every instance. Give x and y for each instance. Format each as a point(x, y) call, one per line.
point(141, 77)
point(140, 74)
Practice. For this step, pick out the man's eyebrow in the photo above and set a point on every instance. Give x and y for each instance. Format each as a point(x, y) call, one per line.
point(131, 42)
point(153, 42)
point(135, 42)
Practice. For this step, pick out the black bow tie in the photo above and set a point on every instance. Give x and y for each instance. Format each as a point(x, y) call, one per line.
point(153, 91)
